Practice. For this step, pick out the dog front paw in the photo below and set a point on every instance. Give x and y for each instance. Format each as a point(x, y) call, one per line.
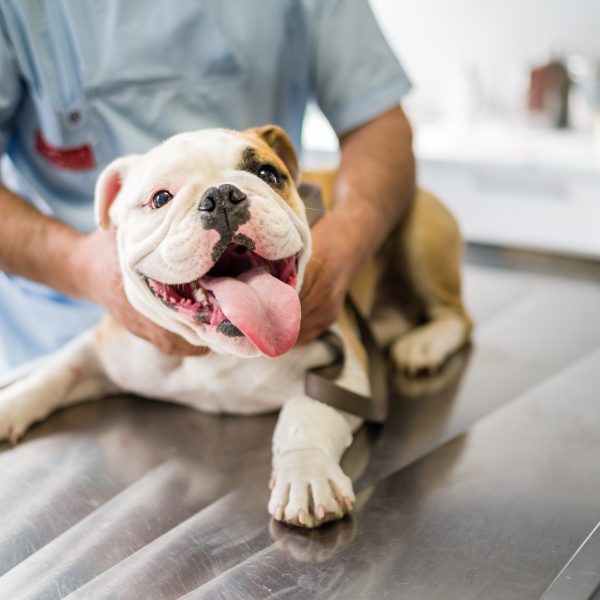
point(15, 418)
point(308, 488)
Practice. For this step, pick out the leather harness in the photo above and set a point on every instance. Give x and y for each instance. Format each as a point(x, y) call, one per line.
point(320, 382)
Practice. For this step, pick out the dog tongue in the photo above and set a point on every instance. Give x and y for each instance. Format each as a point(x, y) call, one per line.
point(265, 309)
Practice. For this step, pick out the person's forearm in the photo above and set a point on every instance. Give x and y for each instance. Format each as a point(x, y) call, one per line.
point(375, 183)
point(35, 246)
point(84, 266)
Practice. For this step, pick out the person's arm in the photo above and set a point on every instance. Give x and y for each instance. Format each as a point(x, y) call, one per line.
point(374, 186)
point(45, 250)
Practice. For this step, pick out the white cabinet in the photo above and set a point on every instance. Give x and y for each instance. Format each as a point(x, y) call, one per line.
point(513, 186)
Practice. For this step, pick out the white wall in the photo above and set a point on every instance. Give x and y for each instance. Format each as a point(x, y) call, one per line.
point(471, 59)
point(438, 40)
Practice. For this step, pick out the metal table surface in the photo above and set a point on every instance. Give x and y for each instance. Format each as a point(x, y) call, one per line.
point(483, 483)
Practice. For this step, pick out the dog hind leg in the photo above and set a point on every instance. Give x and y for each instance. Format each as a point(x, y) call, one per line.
point(432, 249)
point(72, 374)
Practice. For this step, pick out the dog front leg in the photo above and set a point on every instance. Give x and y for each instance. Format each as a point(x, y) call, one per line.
point(70, 375)
point(308, 486)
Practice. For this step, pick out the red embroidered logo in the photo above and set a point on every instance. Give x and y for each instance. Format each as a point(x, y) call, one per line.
point(80, 158)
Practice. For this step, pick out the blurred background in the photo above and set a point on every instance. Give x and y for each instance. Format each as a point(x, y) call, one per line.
point(506, 114)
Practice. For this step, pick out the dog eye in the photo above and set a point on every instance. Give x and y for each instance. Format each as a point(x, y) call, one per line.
point(161, 198)
point(269, 174)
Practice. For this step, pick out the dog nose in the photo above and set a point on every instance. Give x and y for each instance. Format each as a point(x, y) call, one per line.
point(208, 202)
point(224, 194)
point(231, 193)
point(225, 208)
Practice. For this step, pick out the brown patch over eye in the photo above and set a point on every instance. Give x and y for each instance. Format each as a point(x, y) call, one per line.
point(270, 169)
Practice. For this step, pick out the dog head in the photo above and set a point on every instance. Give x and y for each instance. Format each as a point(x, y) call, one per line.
point(212, 237)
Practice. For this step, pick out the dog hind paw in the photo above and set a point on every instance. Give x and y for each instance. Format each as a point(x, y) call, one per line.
point(308, 489)
point(426, 348)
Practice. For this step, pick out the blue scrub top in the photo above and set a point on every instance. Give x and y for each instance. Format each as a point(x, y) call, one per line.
point(82, 82)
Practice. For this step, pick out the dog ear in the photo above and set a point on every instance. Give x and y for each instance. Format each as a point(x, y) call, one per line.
point(108, 186)
point(279, 141)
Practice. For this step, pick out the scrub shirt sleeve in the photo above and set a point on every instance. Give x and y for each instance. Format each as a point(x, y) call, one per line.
point(10, 87)
point(356, 76)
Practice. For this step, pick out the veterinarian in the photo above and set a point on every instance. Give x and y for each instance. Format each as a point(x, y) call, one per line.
point(83, 82)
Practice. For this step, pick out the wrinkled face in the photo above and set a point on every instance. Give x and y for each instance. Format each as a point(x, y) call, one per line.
point(212, 237)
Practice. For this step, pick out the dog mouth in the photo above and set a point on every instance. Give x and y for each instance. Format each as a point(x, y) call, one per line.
point(243, 294)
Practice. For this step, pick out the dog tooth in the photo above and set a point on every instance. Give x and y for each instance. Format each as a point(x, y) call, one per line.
point(199, 295)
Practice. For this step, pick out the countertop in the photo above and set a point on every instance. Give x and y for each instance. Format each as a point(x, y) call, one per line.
point(483, 483)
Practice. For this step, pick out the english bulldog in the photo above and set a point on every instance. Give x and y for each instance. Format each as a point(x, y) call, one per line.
point(213, 242)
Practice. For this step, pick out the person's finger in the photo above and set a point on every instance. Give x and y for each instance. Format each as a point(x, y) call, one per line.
point(313, 328)
point(182, 348)
point(310, 335)
point(173, 344)
point(165, 341)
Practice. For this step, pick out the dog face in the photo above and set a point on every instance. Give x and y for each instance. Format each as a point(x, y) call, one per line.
point(212, 237)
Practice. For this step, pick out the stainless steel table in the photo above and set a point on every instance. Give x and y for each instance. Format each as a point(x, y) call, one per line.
point(484, 482)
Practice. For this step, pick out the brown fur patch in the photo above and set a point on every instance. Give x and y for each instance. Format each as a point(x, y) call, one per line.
point(259, 154)
point(279, 142)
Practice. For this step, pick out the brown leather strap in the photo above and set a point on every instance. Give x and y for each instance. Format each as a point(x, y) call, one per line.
point(320, 382)
point(311, 196)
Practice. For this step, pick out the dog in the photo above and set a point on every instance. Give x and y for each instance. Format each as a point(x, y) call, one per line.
point(213, 242)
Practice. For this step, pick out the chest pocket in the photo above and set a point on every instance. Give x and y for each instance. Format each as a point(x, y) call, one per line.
point(125, 53)
point(152, 44)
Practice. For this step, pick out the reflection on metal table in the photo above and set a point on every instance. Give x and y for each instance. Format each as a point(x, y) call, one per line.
point(483, 483)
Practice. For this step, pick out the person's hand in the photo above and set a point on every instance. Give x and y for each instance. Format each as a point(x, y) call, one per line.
point(101, 280)
point(326, 281)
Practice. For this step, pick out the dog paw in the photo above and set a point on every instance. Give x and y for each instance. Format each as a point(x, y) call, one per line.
point(427, 347)
point(11, 430)
point(15, 414)
point(308, 488)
